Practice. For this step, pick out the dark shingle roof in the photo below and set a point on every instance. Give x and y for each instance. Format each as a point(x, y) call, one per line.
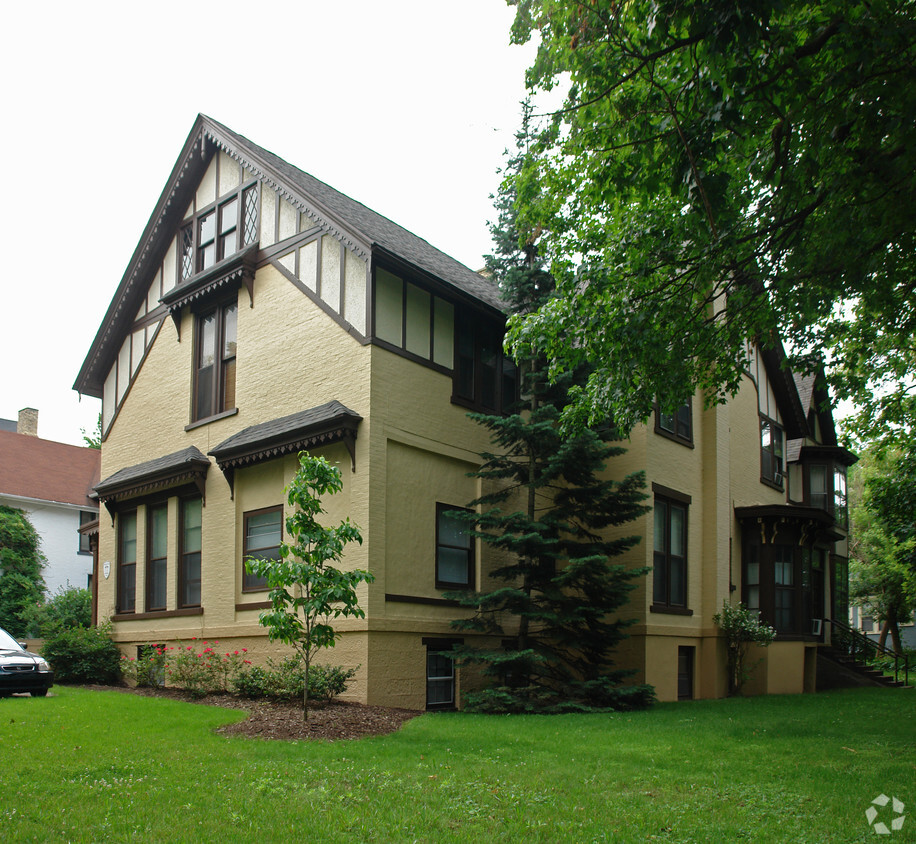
point(163, 470)
point(8, 425)
point(287, 433)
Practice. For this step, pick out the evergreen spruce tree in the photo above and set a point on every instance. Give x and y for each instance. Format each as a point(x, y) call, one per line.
point(548, 514)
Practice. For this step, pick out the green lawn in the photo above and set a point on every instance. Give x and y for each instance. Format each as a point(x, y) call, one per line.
point(87, 766)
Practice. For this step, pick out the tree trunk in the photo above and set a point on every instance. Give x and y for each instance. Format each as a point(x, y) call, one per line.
point(305, 688)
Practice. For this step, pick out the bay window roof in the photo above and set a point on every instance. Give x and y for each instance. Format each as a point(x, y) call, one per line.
point(318, 426)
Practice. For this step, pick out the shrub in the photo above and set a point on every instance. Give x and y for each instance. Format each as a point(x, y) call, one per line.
point(69, 607)
point(742, 628)
point(83, 655)
point(283, 680)
point(201, 669)
point(148, 669)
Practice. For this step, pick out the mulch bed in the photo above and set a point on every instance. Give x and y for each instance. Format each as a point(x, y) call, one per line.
point(335, 721)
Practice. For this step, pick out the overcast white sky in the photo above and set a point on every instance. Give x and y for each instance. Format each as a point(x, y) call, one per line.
point(405, 105)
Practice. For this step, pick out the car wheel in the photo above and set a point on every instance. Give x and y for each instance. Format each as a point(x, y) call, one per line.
point(40, 693)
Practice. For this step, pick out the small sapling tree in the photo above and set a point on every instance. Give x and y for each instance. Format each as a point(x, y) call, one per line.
point(307, 589)
point(742, 628)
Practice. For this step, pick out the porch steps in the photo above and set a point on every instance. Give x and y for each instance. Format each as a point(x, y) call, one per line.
point(853, 671)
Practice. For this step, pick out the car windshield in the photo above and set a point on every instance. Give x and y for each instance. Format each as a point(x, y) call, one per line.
point(7, 642)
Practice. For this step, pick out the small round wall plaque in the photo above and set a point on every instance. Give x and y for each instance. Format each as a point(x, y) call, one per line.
point(106, 569)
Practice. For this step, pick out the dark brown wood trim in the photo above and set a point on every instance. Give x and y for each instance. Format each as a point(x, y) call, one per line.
point(666, 610)
point(419, 599)
point(253, 605)
point(673, 494)
point(140, 616)
point(429, 364)
point(297, 241)
point(159, 313)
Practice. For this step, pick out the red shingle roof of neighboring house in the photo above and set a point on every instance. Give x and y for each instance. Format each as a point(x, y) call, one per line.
point(46, 470)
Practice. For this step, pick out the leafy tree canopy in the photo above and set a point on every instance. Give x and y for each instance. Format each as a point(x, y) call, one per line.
point(21, 582)
point(761, 153)
point(883, 539)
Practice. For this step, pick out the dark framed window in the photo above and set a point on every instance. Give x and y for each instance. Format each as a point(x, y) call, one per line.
point(783, 582)
point(818, 495)
point(772, 452)
point(454, 549)
point(785, 586)
point(485, 377)
point(189, 551)
point(676, 426)
point(826, 489)
point(263, 535)
point(669, 565)
point(440, 677)
point(218, 231)
point(127, 561)
point(86, 516)
point(214, 381)
point(157, 536)
point(840, 509)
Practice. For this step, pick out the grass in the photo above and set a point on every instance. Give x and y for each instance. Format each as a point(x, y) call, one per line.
point(86, 766)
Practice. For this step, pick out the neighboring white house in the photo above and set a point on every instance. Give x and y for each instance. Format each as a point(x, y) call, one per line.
point(52, 482)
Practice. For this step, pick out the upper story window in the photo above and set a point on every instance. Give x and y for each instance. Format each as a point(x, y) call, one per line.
point(263, 534)
point(676, 426)
point(218, 231)
point(669, 567)
point(827, 489)
point(454, 549)
point(772, 452)
point(214, 382)
point(86, 517)
point(485, 377)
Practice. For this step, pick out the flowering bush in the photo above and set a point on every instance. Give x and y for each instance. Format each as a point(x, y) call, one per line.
point(147, 669)
point(201, 669)
point(198, 668)
point(742, 628)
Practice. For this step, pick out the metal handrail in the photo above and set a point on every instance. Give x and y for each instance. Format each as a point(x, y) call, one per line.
point(856, 644)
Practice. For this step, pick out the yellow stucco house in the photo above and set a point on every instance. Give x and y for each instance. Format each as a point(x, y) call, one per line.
point(263, 313)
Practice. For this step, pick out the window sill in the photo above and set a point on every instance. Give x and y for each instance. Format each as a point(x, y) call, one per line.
point(773, 484)
point(666, 610)
point(200, 422)
point(253, 605)
point(140, 616)
point(674, 438)
point(419, 599)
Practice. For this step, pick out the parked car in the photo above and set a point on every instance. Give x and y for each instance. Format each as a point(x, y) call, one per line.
point(21, 671)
